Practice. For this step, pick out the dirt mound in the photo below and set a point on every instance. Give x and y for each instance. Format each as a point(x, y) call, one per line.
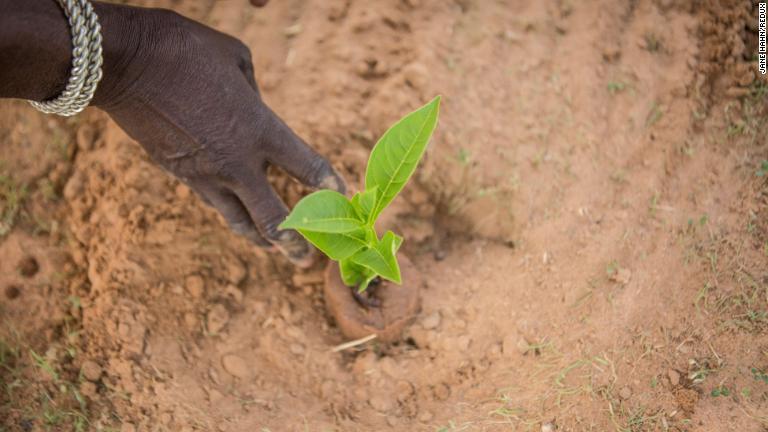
point(726, 66)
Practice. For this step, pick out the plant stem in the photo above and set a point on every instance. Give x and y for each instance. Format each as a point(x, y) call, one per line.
point(364, 284)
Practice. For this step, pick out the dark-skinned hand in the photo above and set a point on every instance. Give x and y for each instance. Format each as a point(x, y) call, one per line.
point(189, 96)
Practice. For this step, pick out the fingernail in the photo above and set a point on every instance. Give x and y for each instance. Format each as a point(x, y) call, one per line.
point(335, 182)
point(247, 231)
point(296, 249)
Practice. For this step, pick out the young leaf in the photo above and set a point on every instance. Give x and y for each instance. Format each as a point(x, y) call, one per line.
point(381, 257)
point(324, 211)
point(364, 201)
point(396, 154)
point(362, 286)
point(352, 274)
point(338, 246)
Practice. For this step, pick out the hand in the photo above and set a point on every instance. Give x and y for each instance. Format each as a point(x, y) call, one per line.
point(188, 95)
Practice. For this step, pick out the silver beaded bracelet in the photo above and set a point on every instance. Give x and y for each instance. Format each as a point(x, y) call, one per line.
point(86, 60)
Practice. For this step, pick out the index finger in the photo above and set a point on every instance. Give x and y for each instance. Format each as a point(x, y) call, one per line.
point(291, 153)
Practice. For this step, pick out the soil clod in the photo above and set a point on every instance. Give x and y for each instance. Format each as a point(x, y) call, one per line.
point(431, 321)
point(625, 393)
point(307, 279)
point(217, 318)
point(674, 377)
point(297, 348)
point(548, 427)
point(91, 370)
point(195, 285)
point(234, 366)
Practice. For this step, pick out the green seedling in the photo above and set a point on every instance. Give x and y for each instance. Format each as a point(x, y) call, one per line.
point(344, 229)
point(759, 375)
point(615, 87)
point(762, 171)
point(721, 391)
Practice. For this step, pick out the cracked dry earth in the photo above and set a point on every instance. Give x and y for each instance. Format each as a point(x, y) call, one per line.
point(591, 221)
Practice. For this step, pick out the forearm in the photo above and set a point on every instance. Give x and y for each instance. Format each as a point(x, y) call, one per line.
point(36, 47)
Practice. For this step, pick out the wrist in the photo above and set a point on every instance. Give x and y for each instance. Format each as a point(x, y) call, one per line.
point(120, 33)
point(133, 41)
point(36, 49)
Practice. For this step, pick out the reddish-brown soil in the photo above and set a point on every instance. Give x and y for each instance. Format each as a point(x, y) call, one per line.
point(591, 221)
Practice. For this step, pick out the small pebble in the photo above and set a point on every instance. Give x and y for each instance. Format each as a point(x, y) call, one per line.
point(195, 285)
point(494, 352)
point(236, 271)
point(234, 293)
point(440, 254)
point(548, 427)
point(166, 418)
point(425, 416)
point(190, 320)
point(625, 393)
point(294, 332)
point(235, 366)
point(91, 370)
point(674, 377)
point(304, 279)
point(419, 337)
point(182, 191)
point(417, 75)
point(381, 403)
point(88, 389)
point(611, 53)
point(285, 312)
point(431, 321)
point(217, 318)
point(622, 276)
point(514, 343)
point(463, 343)
point(74, 187)
point(360, 393)
point(404, 390)
point(214, 395)
point(297, 349)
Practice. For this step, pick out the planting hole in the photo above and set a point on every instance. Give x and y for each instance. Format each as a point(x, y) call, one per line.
point(12, 292)
point(28, 266)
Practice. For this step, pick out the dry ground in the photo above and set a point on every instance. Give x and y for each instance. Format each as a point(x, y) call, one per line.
point(592, 219)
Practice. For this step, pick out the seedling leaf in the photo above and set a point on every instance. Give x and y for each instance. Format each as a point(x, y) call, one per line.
point(338, 246)
point(381, 257)
point(345, 229)
point(396, 154)
point(363, 202)
point(352, 274)
point(323, 211)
